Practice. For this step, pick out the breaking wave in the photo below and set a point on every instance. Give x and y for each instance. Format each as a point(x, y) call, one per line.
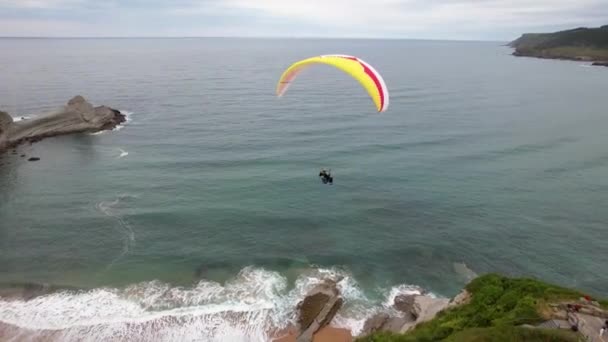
point(128, 120)
point(119, 127)
point(21, 118)
point(252, 306)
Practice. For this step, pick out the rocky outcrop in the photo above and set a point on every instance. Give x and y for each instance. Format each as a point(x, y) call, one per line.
point(318, 309)
point(404, 303)
point(464, 297)
point(78, 116)
point(600, 64)
point(413, 310)
point(426, 308)
point(5, 121)
point(375, 323)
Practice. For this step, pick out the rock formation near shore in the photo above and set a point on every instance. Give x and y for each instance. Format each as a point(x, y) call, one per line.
point(318, 309)
point(78, 116)
point(413, 310)
point(5, 121)
point(314, 313)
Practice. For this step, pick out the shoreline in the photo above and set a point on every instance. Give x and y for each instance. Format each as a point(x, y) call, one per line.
point(592, 61)
point(257, 305)
point(324, 307)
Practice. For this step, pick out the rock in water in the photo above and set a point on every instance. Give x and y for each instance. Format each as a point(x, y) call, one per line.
point(404, 303)
point(311, 307)
point(600, 64)
point(384, 322)
point(77, 116)
point(374, 323)
point(34, 159)
point(318, 309)
point(79, 105)
point(5, 121)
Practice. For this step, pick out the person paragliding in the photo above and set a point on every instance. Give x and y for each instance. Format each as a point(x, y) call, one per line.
point(361, 71)
point(326, 177)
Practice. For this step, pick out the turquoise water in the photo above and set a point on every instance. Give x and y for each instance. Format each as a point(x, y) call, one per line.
point(482, 158)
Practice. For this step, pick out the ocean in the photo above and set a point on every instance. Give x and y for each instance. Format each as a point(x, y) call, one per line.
point(203, 218)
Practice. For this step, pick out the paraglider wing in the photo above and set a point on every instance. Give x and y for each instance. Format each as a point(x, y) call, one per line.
point(367, 76)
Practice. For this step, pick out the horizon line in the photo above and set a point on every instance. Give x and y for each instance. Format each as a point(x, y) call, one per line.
point(249, 37)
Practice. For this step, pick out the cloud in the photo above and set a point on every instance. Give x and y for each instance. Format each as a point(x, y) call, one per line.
point(40, 4)
point(24, 27)
point(499, 19)
point(392, 14)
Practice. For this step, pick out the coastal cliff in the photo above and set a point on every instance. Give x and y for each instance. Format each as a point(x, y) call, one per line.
point(77, 116)
point(582, 44)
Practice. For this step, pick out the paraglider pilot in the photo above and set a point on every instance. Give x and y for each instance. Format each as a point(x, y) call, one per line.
point(326, 177)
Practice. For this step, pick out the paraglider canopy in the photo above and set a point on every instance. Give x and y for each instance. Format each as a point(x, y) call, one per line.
point(367, 76)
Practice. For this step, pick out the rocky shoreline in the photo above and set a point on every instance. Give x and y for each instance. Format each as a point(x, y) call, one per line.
point(545, 55)
point(317, 310)
point(312, 316)
point(77, 116)
point(490, 305)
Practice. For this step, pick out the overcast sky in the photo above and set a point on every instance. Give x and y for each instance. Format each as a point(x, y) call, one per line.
point(432, 19)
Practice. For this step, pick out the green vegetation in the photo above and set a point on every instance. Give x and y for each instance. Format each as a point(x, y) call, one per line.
point(498, 305)
point(510, 334)
point(495, 334)
point(579, 44)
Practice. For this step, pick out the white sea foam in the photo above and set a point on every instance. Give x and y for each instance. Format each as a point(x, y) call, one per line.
point(128, 119)
point(249, 307)
point(21, 118)
point(112, 209)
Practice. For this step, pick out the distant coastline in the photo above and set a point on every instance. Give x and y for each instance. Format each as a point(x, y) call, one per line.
point(580, 44)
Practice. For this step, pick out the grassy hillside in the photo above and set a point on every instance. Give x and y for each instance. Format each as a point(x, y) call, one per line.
point(579, 44)
point(495, 334)
point(498, 306)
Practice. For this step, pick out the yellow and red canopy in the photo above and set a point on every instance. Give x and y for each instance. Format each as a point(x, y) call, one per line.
point(367, 76)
